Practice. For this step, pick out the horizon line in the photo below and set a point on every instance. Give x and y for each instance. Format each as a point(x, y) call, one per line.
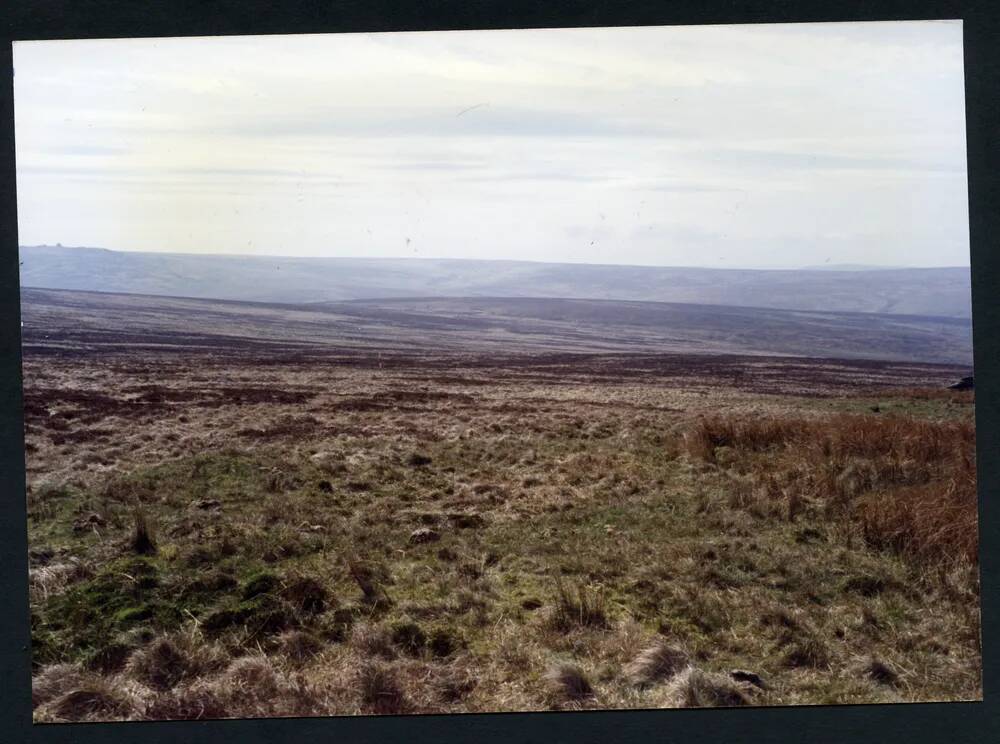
point(810, 267)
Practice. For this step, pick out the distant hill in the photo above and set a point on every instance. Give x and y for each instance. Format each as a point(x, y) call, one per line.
point(65, 320)
point(930, 292)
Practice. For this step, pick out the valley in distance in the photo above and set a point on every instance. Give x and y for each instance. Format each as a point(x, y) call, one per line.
point(299, 487)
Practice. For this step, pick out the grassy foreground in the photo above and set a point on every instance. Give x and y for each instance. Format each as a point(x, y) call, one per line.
point(820, 552)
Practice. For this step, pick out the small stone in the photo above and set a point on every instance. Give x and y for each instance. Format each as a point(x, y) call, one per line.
point(742, 675)
point(966, 383)
point(424, 535)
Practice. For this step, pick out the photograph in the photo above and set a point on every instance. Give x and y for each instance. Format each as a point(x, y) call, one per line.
point(480, 371)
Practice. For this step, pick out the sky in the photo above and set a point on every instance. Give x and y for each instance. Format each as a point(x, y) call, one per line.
point(723, 146)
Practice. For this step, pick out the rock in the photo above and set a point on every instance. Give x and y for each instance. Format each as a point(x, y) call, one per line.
point(742, 675)
point(966, 383)
point(424, 535)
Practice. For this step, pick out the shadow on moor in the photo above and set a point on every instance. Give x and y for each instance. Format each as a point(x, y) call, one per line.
point(249, 509)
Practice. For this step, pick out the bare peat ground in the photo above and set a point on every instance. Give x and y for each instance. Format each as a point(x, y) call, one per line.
point(227, 528)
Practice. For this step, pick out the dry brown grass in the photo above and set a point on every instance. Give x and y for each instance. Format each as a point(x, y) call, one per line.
point(54, 681)
point(46, 581)
point(188, 704)
point(655, 663)
point(68, 695)
point(694, 688)
point(910, 483)
point(964, 397)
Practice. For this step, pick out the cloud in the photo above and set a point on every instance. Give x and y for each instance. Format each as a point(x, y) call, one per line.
point(88, 150)
point(494, 121)
point(817, 161)
point(694, 144)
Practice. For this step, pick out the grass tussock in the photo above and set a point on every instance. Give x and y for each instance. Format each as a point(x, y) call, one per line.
point(373, 640)
point(83, 697)
point(96, 702)
point(299, 646)
point(694, 688)
point(54, 681)
point(567, 682)
point(578, 606)
point(167, 661)
point(655, 663)
point(380, 689)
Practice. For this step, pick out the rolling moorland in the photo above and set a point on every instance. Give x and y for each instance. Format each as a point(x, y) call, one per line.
point(466, 504)
point(934, 292)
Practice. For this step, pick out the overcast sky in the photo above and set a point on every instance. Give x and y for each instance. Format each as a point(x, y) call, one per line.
point(771, 145)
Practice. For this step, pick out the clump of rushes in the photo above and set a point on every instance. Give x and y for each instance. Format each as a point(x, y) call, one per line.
point(142, 541)
point(579, 607)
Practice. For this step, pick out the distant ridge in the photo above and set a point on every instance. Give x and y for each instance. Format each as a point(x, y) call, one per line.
point(943, 292)
point(62, 319)
point(852, 267)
